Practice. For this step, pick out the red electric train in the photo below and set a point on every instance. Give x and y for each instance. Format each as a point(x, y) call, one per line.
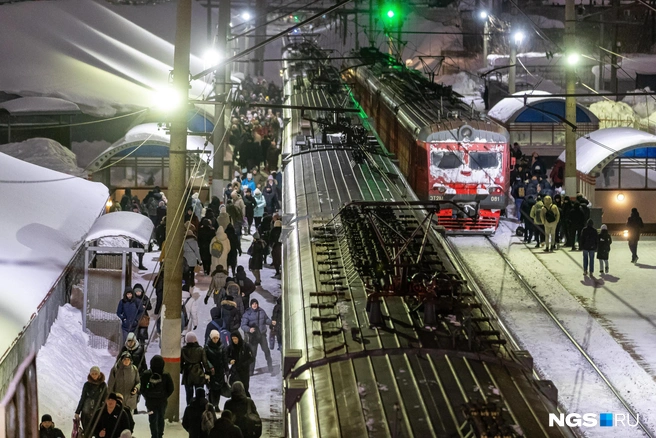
point(446, 150)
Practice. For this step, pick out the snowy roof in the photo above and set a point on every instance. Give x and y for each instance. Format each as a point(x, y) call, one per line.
point(44, 225)
point(597, 149)
point(122, 224)
point(542, 109)
point(145, 135)
point(39, 105)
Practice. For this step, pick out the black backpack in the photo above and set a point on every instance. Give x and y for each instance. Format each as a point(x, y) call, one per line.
point(155, 387)
point(253, 423)
point(184, 315)
point(550, 216)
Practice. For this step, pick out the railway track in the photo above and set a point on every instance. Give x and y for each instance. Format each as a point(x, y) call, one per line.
point(512, 279)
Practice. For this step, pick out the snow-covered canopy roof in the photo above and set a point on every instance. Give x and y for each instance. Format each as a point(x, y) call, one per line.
point(46, 215)
point(596, 150)
point(128, 224)
point(31, 106)
point(537, 109)
point(144, 138)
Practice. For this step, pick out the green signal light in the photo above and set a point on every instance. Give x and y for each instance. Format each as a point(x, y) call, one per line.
point(390, 14)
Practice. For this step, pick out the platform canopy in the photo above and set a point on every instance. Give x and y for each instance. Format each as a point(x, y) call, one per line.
point(127, 224)
point(38, 105)
point(597, 149)
point(540, 107)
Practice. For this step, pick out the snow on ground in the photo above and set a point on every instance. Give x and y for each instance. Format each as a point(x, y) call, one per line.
point(68, 348)
point(464, 84)
point(46, 153)
point(598, 314)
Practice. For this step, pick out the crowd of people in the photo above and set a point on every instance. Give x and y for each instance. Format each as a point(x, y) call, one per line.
point(552, 219)
point(218, 360)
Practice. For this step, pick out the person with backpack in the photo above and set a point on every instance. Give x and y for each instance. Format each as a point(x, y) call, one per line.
point(550, 216)
point(193, 366)
point(219, 248)
point(634, 224)
point(246, 286)
point(225, 427)
point(156, 388)
point(216, 290)
point(217, 356)
point(603, 249)
point(538, 226)
point(258, 251)
point(193, 414)
point(254, 323)
point(112, 420)
point(208, 420)
point(244, 411)
point(588, 244)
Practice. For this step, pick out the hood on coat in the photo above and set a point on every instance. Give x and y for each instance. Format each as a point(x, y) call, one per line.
point(228, 303)
point(132, 337)
point(220, 234)
point(138, 286)
point(101, 379)
point(157, 364)
point(257, 192)
point(238, 389)
point(237, 335)
point(222, 208)
point(125, 293)
point(215, 312)
point(194, 196)
point(547, 201)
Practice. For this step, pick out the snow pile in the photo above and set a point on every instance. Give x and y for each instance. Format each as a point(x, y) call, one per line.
point(67, 349)
point(643, 106)
point(462, 83)
point(506, 108)
point(46, 153)
point(648, 123)
point(613, 114)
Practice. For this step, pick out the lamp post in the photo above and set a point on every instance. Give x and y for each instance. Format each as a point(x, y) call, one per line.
point(571, 179)
point(486, 27)
point(221, 78)
point(516, 40)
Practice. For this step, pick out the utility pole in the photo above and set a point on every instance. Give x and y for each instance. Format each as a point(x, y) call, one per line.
point(486, 29)
point(260, 22)
point(613, 47)
point(600, 76)
point(357, 28)
point(221, 78)
point(513, 62)
point(371, 23)
point(174, 233)
point(571, 178)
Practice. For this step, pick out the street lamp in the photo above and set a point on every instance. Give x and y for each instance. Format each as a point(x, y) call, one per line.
point(483, 15)
point(211, 57)
point(167, 99)
point(573, 59)
point(517, 39)
point(246, 16)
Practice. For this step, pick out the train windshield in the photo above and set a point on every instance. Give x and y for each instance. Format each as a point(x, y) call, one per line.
point(484, 160)
point(446, 159)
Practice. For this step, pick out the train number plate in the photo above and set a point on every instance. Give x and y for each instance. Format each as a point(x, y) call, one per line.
point(436, 198)
point(495, 198)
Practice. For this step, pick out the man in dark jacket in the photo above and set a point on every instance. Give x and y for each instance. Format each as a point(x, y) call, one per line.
point(225, 427)
point(193, 414)
point(271, 199)
point(576, 222)
point(218, 359)
point(527, 206)
point(156, 388)
point(258, 252)
point(239, 404)
point(255, 322)
point(276, 324)
point(113, 419)
point(634, 225)
point(588, 244)
point(518, 192)
point(128, 312)
point(240, 357)
point(246, 285)
point(47, 428)
point(250, 203)
point(564, 220)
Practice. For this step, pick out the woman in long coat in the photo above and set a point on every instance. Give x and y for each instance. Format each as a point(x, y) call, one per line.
point(94, 393)
point(219, 248)
point(124, 379)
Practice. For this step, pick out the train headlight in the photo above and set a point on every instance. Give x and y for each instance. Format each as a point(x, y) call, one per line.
point(620, 197)
point(495, 190)
point(440, 189)
point(626, 233)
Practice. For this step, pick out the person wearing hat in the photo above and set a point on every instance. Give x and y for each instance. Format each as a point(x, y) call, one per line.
point(126, 410)
point(258, 252)
point(258, 210)
point(240, 404)
point(254, 323)
point(136, 350)
point(218, 359)
point(94, 392)
point(236, 210)
point(248, 181)
point(112, 420)
point(156, 387)
point(225, 427)
point(191, 256)
point(124, 378)
point(193, 365)
point(276, 247)
point(603, 249)
point(128, 312)
point(240, 357)
point(47, 428)
point(193, 414)
point(634, 224)
point(258, 178)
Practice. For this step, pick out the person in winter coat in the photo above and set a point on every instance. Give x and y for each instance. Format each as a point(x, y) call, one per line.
point(240, 357)
point(258, 252)
point(238, 212)
point(564, 220)
point(246, 285)
point(550, 216)
point(94, 392)
point(217, 285)
point(144, 304)
point(225, 427)
point(156, 388)
point(124, 379)
point(126, 200)
point(219, 248)
point(558, 202)
point(231, 313)
point(192, 256)
point(136, 350)
point(197, 206)
point(250, 203)
point(233, 290)
point(259, 178)
point(271, 200)
point(208, 420)
point(215, 205)
point(47, 428)
point(576, 220)
point(240, 404)
point(113, 419)
point(193, 414)
point(634, 224)
point(193, 366)
point(248, 182)
point(191, 307)
point(127, 412)
point(538, 226)
point(588, 244)
point(557, 174)
point(265, 226)
point(276, 325)
point(537, 165)
point(235, 248)
point(255, 322)
point(519, 193)
point(128, 312)
point(158, 284)
point(603, 249)
point(161, 212)
point(223, 218)
point(276, 247)
point(258, 211)
point(217, 356)
point(160, 233)
point(205, 235)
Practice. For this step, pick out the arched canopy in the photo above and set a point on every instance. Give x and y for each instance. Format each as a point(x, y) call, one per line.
point(36, 106)
point(596, 150)
point(540, 109)
point(149, 140)
point(134, 226)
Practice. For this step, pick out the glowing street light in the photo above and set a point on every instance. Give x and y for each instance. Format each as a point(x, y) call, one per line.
point(167, 99)
point(518, 37)
point(483, 15)
point(573, 58)
point(211, 57)
point(246, 16)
